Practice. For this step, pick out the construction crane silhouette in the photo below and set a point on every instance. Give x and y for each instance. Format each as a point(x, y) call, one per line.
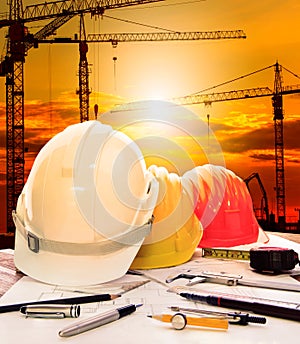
point(20, 40)
point(277, 102)
point(264, 207)
point(83, 73)
point(12, 68)
point(115, 39)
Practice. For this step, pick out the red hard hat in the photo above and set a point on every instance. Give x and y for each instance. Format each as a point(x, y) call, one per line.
point(224, 207)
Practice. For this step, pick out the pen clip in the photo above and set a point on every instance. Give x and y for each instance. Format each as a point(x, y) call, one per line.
point(46, 315)
point(243, 319)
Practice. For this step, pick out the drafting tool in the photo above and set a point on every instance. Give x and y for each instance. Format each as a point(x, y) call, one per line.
point(236, 318)
point(180, 320)
point(263, 308)
point(280, 303)
point(225, 253)
point(232, 280)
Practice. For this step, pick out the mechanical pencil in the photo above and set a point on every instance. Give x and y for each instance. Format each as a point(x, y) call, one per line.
point(97, 320)
point(69, 300)
point(180, 320)
point(236, 318)
point(51, 311)
point(256, 307)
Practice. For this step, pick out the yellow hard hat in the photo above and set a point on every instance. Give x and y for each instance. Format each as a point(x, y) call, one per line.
point(176, 230)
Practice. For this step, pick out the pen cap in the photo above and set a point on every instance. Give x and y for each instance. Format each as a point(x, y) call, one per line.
point(51, 311)
point(85, 208)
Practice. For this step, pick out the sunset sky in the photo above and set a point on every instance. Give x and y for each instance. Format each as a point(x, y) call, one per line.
point(164, 70)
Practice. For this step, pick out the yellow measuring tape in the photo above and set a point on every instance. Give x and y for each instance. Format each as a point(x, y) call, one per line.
point(225, 254)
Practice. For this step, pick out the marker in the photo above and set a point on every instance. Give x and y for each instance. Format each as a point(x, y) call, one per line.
point(256, 307)
point(98, 320)
point(65, 301)
point(180, 320)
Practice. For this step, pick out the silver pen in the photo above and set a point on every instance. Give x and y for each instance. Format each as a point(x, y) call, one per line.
point(51, 311)
point(97, 320)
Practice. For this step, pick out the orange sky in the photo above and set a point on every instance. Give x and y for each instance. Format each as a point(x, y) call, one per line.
point(171, 69)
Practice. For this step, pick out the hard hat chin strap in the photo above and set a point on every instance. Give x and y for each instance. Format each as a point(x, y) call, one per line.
point(106, 246)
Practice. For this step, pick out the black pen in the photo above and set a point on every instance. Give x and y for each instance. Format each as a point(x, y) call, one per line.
point(97, 320)
point(256, 307)
point(69, 300)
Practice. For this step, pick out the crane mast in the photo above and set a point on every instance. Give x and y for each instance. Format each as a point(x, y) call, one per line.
point(279, 149)
point(14, 71)
point(84, 90)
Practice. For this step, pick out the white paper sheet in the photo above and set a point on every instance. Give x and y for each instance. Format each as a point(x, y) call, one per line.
point(156, 298)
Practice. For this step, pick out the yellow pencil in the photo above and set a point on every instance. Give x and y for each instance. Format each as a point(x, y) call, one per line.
point(180, 320)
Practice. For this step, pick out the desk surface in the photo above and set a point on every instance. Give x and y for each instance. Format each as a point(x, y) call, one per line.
point(289, 236)
point(137, 327)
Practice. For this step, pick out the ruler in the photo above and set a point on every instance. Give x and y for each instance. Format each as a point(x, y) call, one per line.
point(225, 254)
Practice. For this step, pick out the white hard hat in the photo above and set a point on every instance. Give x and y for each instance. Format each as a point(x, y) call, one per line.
point(85, 209)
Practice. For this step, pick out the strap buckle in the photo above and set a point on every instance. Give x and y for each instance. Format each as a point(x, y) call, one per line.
point(33, 242)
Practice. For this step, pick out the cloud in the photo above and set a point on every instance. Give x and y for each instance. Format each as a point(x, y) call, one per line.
point(262, 156)
point(291, 134)
point(252, 140)
point(43, 119)
point(260, 139)
point(294, 160)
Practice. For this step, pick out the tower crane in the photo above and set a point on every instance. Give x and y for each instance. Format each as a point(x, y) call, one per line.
point(115, 39)
point(12, 68)
point(84, 90)
point(277, 94)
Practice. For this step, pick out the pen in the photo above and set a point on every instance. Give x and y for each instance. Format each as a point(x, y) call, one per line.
point(69, 300)
point(97, 320)
point(180, 320)
point(256, 307)
point(51, 311)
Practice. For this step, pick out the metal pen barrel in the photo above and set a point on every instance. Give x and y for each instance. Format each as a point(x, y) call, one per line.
point(90, 323)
